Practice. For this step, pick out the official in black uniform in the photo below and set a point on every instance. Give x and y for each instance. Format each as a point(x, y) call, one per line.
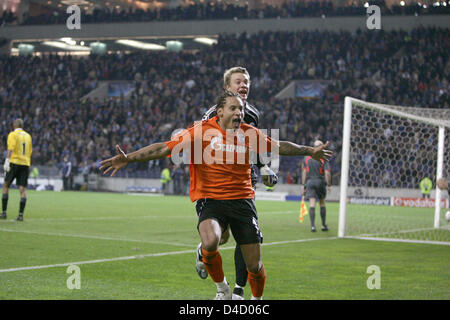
point(316, 179)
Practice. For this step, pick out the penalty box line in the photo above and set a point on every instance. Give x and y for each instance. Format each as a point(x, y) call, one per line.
point(87, 236)
point(99, 237)
point(146, 256)
point(28, 220)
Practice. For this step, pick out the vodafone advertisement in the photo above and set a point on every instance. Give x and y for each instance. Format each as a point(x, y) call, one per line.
point(417, 202)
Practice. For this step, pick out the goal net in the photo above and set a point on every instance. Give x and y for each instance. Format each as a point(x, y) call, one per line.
point(386, 152)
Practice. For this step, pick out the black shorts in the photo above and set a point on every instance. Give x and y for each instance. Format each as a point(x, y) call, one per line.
point(18, 172)
point(316, 189)
point(239, 214)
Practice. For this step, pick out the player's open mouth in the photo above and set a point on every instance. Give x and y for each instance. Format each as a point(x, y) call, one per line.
point(237, 121)
point(243, 92)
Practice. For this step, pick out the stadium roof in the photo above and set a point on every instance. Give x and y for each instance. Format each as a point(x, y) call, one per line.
point(83, 46)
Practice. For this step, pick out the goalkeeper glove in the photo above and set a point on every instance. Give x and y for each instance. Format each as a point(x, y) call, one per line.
point(6, 166)
point(269, 177)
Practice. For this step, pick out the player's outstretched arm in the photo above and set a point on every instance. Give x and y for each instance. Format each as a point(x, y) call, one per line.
point(291, 149)
point(151, 152)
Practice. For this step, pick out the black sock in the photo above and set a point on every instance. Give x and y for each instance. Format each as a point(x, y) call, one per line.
point(323, 214)
point(4, 202)
point(312, 215)
point(23, 201)
point(240, 267)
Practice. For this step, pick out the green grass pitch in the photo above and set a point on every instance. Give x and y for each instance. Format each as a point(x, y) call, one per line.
point(142, 247)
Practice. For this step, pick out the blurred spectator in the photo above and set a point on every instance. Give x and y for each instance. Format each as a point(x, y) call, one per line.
point(220, 10)
point(395, 67)
point(177, 178)
point(67, 174)
point(85, 170)
point(7, 17)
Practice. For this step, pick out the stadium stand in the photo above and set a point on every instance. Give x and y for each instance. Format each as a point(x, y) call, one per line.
point(173, 89)
point(221, 10)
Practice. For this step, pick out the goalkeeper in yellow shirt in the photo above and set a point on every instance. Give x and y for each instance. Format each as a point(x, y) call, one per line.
point(17, 166)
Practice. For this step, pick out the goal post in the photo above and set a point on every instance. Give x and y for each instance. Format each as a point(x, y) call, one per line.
point(439, 166)
point(386, 151)
point(344, 165)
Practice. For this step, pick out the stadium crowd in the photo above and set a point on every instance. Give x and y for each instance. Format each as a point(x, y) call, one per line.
point(175, 89)
point(7, 17)
point(221, 10)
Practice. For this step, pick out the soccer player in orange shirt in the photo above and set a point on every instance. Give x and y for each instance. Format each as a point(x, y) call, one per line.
point(221, 185)
point(237, 80)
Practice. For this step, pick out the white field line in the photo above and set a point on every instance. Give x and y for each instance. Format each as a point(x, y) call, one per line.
point(87, 236)
point(279, 212)
point(145, 256)
point(403, 231)
point(96, 218)
point(375, 236)
point(400, 240)
point(145, 194)
point(132, 217)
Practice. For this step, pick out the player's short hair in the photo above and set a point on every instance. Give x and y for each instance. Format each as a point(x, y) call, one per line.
point(18, 123)
point(222, 99)
point(229, 72)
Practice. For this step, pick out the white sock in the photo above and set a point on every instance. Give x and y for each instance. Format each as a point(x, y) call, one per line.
point(221, 286)
point(238, 286)
point(253, 298)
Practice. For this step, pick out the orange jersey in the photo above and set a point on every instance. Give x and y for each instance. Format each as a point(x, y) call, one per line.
point(220, 160)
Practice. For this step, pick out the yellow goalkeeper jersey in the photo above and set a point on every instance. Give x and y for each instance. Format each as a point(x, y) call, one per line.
point(19, 142)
